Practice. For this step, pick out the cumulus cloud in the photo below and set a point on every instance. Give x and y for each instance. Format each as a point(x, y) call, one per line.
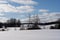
point(45, 17)
point(6, 8)
point(25, 2)
point(21, 9)
point(25, 9)
point(48, 17)
point(2, 14)
point(43, 10)
point(3, 19)
point(3, 1)
point(57, 14)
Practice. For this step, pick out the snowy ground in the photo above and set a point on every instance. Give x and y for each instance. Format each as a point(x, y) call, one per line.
point(30, 35)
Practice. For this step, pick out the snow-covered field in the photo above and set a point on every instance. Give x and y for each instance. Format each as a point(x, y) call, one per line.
point(30, 35)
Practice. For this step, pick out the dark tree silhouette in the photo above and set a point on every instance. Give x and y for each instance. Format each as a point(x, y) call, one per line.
point(18, 23)
point(52, 27)
point(13, 23)
point(1, 24)
point(57, 26)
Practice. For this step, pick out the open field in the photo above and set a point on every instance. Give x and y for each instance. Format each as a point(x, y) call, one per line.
point(30, 35)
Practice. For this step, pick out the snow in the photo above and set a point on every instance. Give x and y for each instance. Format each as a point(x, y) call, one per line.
point(30, 35)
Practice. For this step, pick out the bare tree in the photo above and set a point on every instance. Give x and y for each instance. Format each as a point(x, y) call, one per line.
point(34, 20)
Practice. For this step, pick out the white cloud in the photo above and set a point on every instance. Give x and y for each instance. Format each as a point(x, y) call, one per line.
point(3, 19)
point(3, 1)
point(43, 10)
point(26, 2)
point(6, 8)
point(57, 14)
point(25, 9)
point(46, 17)
point(21, 9)
point(2, 14)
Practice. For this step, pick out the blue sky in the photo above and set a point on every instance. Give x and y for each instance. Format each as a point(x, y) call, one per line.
point(21, 8)
point(52, 5)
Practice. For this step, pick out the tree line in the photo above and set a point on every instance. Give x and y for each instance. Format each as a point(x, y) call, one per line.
point(11, 23)
point(17, 23)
